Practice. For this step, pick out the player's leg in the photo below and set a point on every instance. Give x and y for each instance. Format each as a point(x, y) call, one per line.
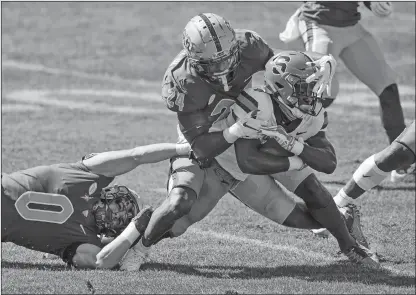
point(366, 61)
point(400, 154)
point(216, 185)
point(185, 183)
point(270, 199)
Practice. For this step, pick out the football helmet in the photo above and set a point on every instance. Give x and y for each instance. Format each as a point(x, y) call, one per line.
point(285, 79)
point(211, 47)
point(117, 206)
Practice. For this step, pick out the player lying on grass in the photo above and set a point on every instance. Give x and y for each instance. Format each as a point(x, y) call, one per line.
point(62, 209)
point(399, 155)
point(301, 117)
point(330, 27)
point(200, 85)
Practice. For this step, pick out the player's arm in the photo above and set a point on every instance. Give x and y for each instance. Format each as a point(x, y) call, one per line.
point(88, 256)
point(207, 145)
point(319, 154)
point(114, 163)
point(252, 159)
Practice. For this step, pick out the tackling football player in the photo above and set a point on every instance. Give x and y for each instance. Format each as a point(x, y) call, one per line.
point(334, 28)
point(399, 155)
point(200, 85)
point(63, 208)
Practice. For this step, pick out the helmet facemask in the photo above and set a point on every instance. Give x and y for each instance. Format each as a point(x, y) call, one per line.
point(116, 208)
point(293, 91)
point(220, 67)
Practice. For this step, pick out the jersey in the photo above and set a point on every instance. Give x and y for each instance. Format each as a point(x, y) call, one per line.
point(336, 14)
point(305, 126)
point(48, 208)
point(201, 103)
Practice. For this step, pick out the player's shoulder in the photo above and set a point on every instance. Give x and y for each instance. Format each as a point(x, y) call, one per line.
point(181, 87)
point(255, 99)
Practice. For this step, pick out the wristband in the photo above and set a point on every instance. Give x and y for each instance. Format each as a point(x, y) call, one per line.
point(182, 149)
point(130, 233)
point(229, 137)
point(295, 163)
point(297, 148)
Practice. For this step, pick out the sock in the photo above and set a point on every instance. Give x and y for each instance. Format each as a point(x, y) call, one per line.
point(342, 199)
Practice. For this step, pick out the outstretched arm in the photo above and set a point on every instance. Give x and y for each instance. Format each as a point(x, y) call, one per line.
point(114, 163)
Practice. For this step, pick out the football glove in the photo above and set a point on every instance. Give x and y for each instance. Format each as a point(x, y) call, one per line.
point(325, 72)
point(288, 142)
point(381, 8)
point(246, 127)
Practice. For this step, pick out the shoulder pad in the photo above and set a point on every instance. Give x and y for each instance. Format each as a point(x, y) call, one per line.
point(180, 88)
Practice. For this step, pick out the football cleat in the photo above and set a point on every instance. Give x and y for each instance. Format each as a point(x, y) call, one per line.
point(352, 218)
point(400, 175)
point(362, 255)
point(135, 257)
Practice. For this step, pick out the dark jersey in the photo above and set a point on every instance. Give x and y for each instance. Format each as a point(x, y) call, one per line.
point(199, 102)
point(336, 14)
point(48, 208)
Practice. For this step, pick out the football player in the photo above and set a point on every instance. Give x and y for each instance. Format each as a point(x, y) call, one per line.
point(399, 155)
point(62, 209)
point(296, 138)
point(200, 85)
point(334, 28)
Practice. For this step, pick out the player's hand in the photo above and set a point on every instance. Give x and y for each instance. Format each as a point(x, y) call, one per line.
point(246, 127)
point(288, 142)
point(325, 71)
point(381, 8)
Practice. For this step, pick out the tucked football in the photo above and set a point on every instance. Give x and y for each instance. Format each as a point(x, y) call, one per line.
point(271, 146)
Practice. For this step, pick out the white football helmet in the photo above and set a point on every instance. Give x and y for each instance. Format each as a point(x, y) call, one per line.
point(211, 47)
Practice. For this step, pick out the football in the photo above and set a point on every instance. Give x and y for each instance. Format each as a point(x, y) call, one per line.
point(271, 146)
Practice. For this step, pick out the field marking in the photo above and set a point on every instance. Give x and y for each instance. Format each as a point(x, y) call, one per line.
point(9, 108)
point(404, 89)
point(44, 97)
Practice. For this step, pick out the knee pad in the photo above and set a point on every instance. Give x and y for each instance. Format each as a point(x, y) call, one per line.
point(368, 175)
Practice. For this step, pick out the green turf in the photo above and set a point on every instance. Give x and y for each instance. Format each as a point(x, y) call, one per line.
point(103, 54)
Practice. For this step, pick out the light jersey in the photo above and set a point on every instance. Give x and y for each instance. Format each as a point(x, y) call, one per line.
point(48, 208)
point(304, 126)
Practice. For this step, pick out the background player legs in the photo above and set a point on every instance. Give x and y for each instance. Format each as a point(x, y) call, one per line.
point(375, 168)
point(366, 61)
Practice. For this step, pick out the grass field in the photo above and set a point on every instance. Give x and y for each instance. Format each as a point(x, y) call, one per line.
point(85, 77)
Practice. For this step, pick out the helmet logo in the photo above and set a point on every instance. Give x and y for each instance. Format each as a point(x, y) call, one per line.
point(187, 42)
point(280, 64)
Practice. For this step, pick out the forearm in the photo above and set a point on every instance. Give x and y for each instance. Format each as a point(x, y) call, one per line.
point(210, 145)
point(319, 159)
point(154, 153)
point(255, 158)
point(265, 164)
point(115, 163)
point(112, 253)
